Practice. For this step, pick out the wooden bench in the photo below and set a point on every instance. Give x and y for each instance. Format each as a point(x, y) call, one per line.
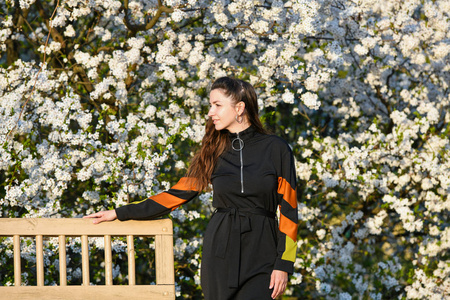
point(161, 230)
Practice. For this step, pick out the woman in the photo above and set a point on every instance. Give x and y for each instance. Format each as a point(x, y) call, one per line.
point(245, 254)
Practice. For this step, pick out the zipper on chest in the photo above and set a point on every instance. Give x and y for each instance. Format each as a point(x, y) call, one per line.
point(239, 147)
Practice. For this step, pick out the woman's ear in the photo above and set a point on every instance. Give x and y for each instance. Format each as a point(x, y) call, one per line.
point(240, 107)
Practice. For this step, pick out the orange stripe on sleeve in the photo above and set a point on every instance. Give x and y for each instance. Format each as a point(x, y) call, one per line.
point(288, 227)
point(168, 200)
point(289, 194)
point(186, 184)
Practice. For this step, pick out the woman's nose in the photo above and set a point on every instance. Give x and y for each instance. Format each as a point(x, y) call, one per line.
point(210, 112)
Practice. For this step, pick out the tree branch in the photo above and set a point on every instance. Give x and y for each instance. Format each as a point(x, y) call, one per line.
point(12, 51)
point(148, 25)
point(36, 77)
point(52, 31)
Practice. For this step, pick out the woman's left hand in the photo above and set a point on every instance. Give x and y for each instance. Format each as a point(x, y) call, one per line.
point(278, 282)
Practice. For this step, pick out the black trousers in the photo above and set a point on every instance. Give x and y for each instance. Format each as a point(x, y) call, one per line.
point(239, 252)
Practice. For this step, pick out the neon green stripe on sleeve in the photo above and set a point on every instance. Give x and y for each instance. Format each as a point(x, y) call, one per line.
point(291, 250)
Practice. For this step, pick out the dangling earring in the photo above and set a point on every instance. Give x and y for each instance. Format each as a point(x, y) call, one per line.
point(239, 119)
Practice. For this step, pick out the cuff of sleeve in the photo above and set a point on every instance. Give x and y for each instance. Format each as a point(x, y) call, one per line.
point(284, 265)
point(121, 213)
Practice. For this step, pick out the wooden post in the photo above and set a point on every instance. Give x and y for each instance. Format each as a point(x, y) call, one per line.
point(108, 261)
point(17, 265)
point(85, 259)
point(131, 261)
point(164, 258)
point(62, 261)
point(40, 260)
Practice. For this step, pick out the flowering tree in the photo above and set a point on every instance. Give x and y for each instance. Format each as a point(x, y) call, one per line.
point(104, 102)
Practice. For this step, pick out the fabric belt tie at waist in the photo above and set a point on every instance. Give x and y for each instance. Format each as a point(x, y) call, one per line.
point(240, 223)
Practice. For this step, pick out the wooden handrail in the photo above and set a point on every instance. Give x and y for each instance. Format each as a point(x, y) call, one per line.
point(161, 230)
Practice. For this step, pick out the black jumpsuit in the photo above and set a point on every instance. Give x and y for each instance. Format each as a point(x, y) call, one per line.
point(243, 243)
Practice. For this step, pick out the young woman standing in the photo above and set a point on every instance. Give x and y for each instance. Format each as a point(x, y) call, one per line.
point(246, 254)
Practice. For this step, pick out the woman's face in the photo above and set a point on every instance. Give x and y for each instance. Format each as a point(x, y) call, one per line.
point(223, 111)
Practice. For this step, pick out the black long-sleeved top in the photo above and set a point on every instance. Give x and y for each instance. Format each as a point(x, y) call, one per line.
point(266, 181)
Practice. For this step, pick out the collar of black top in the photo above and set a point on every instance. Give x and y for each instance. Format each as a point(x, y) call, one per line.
point(245, 134)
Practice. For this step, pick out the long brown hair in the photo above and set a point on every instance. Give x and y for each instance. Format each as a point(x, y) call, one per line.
point(215, 142)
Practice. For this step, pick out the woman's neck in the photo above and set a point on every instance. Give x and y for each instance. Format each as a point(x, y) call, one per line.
point(239, 128)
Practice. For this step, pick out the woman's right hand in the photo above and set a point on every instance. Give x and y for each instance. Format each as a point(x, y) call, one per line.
point(102, 216)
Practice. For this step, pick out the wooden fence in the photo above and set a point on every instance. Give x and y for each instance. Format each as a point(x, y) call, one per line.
point(161, 230)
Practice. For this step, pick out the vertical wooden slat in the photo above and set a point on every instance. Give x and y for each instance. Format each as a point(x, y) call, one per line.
point(85, 259)
point(164, 259)
point(62, 261)
point(108, 260)
point(17, 266)
point(40, 260)
point(131, 261)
